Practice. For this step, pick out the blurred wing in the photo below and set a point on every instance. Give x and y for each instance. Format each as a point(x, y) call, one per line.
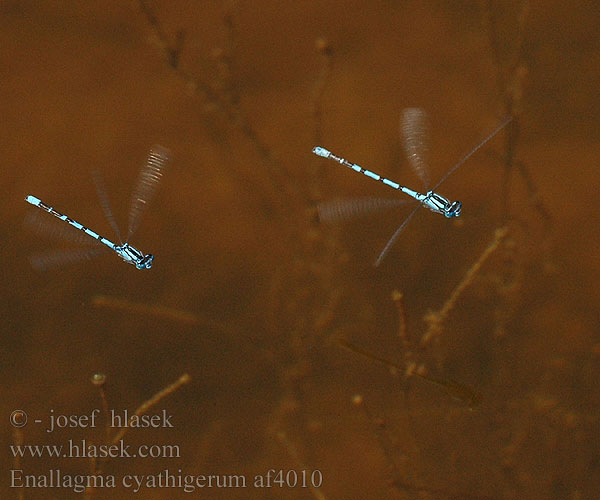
point(394, 237)
point(51, 227)
point(506, 121)
point(336, 211)
point(414, 132)
point(105, 203)
point(58, 258)
point(149, 177)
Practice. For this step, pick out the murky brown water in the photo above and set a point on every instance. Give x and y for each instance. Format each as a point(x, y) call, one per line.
point(249, 294)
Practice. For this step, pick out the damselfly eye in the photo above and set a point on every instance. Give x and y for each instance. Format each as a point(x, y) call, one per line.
point(454, 210)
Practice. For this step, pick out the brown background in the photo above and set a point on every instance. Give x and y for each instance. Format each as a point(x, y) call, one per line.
point(265, 288)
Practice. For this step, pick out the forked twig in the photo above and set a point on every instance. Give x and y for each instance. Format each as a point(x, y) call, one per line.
point(99, 380)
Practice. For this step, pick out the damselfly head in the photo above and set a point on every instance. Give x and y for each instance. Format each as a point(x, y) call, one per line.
point(453, 210)
point(146, 262)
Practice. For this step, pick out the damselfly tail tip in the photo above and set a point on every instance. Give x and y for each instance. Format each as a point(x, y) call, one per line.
point(32, 199)
point(319, 151)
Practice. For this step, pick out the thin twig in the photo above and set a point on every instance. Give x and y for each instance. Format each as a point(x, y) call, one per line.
point(146, 405)
point(293, 452)
point(436, 319)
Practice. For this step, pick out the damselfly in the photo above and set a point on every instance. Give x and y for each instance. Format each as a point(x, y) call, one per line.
point(414, 134)
point(149, 177)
